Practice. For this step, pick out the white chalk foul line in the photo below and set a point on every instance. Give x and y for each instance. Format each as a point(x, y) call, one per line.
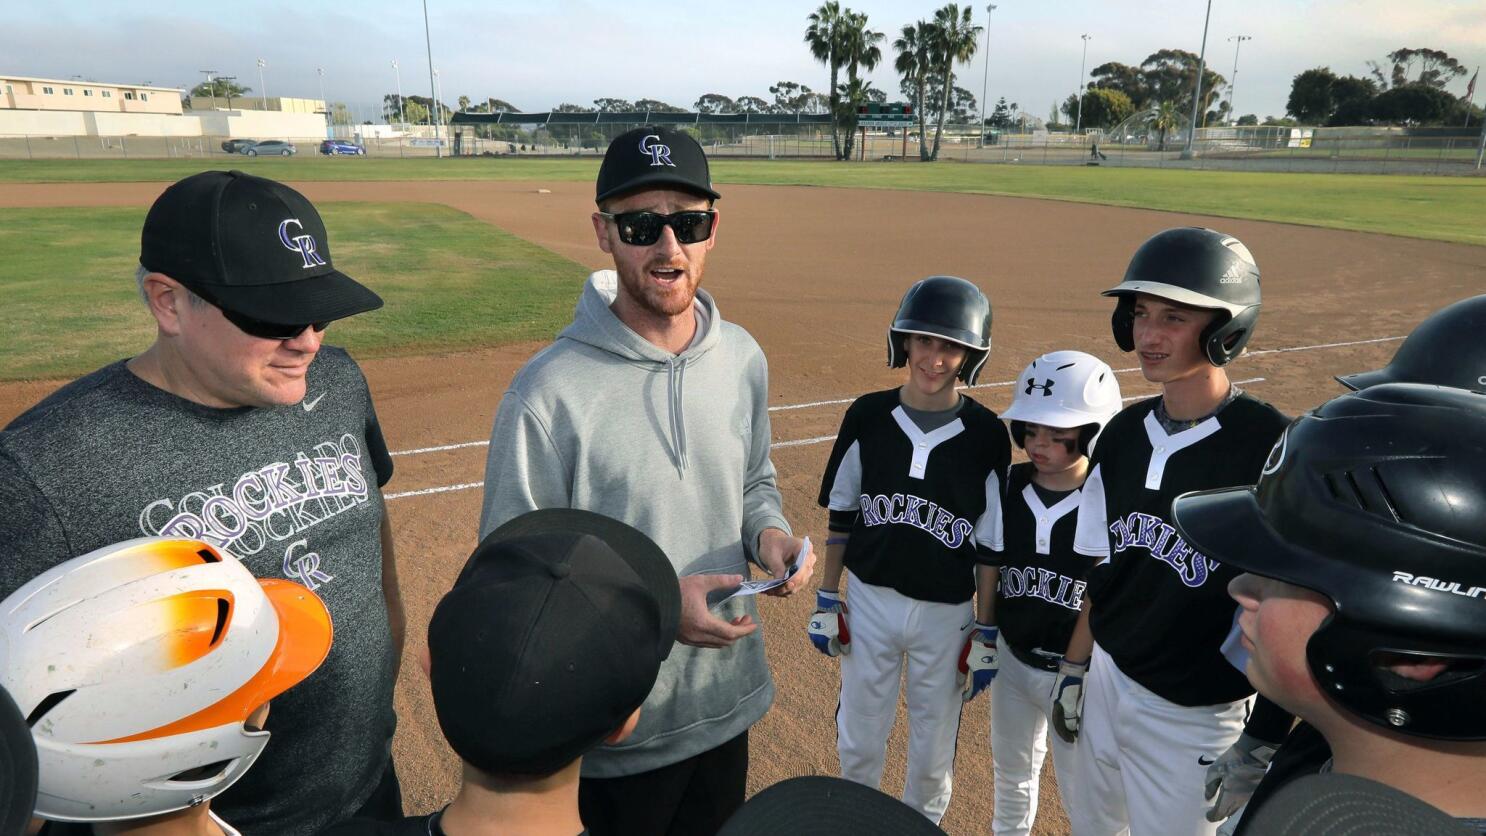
point(800, 442)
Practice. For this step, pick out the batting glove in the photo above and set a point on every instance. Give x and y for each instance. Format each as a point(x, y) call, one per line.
point(977, 661)
point(1068, 699)
point(828, 630)
point(1234, 776)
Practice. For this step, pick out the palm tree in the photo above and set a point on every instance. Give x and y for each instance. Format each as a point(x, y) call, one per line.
point(858, 50)
point(854, 94)
point(1164, 117)
point(914, 64)
point(823, 36)
point(955, 38)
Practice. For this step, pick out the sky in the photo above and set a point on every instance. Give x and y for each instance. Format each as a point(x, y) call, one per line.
point(539, 54)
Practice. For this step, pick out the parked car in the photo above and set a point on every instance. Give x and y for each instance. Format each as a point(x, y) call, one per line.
point(331, 147)
point(235, 146)
point(269, 147)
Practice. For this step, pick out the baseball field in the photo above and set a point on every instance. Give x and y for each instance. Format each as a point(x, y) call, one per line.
point(481, 261)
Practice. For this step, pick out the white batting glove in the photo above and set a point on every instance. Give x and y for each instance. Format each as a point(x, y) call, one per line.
point(978, 664)
point(1234, 776)
point(828, 630)
point(1068, 699)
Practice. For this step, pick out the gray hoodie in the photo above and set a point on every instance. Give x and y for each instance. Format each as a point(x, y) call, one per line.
point(675, 445)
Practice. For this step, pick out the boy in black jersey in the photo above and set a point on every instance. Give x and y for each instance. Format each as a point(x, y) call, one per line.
point(913, 486)
point(1163, 701)
point(1063, 400)
point(1365, 608)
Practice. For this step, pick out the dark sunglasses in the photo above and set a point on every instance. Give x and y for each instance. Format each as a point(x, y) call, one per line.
point(268, 330)
point(641, 229)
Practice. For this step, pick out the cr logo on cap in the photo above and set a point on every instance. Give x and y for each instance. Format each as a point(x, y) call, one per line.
point(660, 153)
point(303, 244)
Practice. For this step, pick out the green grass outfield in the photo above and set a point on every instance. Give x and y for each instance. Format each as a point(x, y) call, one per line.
point(1437, 208)
point(450, 282)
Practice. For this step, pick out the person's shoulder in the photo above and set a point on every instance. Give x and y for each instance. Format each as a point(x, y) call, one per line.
point(974, 410)
point(409, 826)
point(1261, 414)
point(556, 368)
point(737, 336)
point(874, 403)
point(73, 399)
point(1131, 416)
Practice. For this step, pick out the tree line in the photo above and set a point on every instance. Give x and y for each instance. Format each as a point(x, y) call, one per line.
point(1408, 88)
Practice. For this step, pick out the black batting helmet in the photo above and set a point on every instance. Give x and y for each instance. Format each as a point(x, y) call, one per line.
point(1202, 268)
point(951, 309)
point(1446, 349)
point(1375, 500)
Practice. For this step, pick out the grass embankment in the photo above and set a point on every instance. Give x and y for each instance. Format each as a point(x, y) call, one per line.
point(450, 282)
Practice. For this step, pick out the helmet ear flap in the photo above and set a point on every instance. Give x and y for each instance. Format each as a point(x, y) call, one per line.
point(1226, 337)
point(974, 362)
point(1122, 322)
point(897, 355)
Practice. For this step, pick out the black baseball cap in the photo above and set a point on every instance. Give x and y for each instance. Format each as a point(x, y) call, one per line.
point(799, 806)
point(654, 157)
point(252, 246)
point(1334, 804)
point(552, 636)
point(18, 771)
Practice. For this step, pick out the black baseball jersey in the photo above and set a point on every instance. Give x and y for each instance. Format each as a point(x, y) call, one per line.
point(917, 505)
point(1042, 577)
point(1160, 608)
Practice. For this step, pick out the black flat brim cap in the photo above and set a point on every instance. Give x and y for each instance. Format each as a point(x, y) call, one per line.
point(250, 245)
point(654, 157)
point(18, 769)
point(639, 551)
point(1334, 804)
point(810, 805)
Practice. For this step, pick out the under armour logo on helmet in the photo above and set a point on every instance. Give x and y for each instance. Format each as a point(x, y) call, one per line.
point(304, 244)
point(1047, 388)
point(660, 153)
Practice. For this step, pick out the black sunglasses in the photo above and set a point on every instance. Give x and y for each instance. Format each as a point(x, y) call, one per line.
point(268, 330)
point(257, 327)
point(641, 229)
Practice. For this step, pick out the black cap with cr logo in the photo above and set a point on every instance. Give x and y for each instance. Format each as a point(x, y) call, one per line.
point(654, 157)
point(250, 245)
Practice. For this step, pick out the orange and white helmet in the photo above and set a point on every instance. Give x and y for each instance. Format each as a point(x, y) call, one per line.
point(137, 667)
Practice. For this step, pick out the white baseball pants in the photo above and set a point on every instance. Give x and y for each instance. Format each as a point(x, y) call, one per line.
point(887, 626)
point(1021, 697)
point(1137, 767)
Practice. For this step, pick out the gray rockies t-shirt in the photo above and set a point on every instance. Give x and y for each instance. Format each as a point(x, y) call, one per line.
point(293, 491)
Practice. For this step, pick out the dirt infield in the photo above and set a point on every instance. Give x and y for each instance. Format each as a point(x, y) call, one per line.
point(814, 274)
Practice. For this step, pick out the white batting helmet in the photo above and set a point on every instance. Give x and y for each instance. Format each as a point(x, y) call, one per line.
point(1065, 389)
point(137, 665)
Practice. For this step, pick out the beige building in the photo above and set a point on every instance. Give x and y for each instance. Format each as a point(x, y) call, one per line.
point(25, 93)
point(252, 102)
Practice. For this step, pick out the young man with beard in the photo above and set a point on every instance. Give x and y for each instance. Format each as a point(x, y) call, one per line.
point(652, 410)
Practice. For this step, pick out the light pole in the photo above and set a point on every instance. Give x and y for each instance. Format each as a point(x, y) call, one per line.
point(1233, 82)
point(320, 71)
point(262, 86)
point(1079, 91)
point(211, 86)
point(403, 120)
point(438, 94)
point(432, 86)
point(1197, 87)
point(985, 78)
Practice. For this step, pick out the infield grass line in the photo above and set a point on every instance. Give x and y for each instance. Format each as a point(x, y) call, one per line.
point(1440, 208)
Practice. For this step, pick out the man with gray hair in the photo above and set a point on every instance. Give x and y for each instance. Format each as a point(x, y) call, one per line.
point(237, 426)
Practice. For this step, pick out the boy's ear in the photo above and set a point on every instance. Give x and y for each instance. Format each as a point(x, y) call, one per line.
point(625, 729)
point(425, 659)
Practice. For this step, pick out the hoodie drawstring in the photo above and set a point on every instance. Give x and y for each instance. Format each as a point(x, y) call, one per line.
point(676, 371)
